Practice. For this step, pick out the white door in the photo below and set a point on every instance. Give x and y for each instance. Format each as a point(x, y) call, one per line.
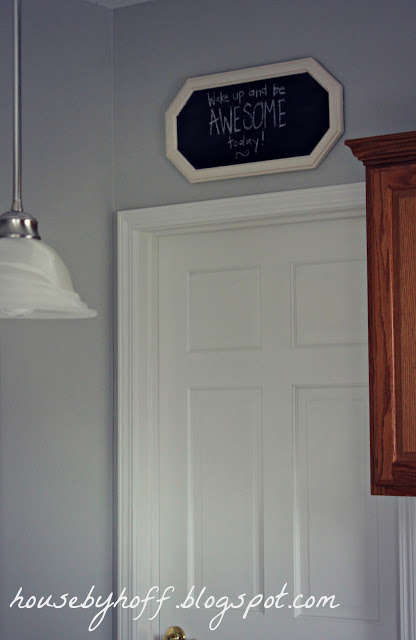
point(263, 438)
point(243, 475)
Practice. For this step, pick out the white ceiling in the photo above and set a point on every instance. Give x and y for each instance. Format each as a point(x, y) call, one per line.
point(115, 4)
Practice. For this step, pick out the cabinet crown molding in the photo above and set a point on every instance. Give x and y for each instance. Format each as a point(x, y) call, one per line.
point(388, 149)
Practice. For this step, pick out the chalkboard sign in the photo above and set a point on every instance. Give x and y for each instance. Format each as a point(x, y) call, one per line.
point(280, 117)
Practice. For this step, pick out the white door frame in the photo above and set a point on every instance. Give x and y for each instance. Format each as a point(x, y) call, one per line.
point(137, 436)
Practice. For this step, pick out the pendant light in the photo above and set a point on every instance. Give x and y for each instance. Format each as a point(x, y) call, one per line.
point(34, 281)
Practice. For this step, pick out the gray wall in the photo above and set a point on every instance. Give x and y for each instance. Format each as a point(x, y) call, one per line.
point(368, 45)
point(56, 377)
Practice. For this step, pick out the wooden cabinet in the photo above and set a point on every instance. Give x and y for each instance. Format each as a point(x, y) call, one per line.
point(391, 251)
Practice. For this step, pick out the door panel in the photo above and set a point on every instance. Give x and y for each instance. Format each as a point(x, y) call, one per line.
point(263, 425)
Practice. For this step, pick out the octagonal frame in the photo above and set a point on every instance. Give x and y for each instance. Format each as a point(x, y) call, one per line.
point(311, 161)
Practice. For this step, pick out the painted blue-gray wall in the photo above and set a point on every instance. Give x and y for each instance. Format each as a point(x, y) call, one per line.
point(368, 46)
point(56, 376)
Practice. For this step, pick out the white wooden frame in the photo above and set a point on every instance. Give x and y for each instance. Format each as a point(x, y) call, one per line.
point(137, 470)
point(309, 65)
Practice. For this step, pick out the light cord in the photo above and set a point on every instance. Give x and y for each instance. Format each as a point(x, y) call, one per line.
point(17, 110)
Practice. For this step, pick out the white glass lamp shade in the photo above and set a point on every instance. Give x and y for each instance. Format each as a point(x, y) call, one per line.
point(35, 283)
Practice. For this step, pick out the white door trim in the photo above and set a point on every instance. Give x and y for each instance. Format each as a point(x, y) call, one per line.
point(407, 550)
point(137, 436)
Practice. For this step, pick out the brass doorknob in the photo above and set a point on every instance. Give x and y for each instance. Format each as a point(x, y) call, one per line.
point(174, 633)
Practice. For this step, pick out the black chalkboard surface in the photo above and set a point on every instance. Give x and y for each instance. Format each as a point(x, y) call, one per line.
point(280, 117)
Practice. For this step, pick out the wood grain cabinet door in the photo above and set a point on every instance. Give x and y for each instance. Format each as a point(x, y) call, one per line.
point(391, 251)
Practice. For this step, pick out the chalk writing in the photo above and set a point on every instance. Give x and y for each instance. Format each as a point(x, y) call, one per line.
point(256, 121)
point(235, 113)
point(214, 98)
